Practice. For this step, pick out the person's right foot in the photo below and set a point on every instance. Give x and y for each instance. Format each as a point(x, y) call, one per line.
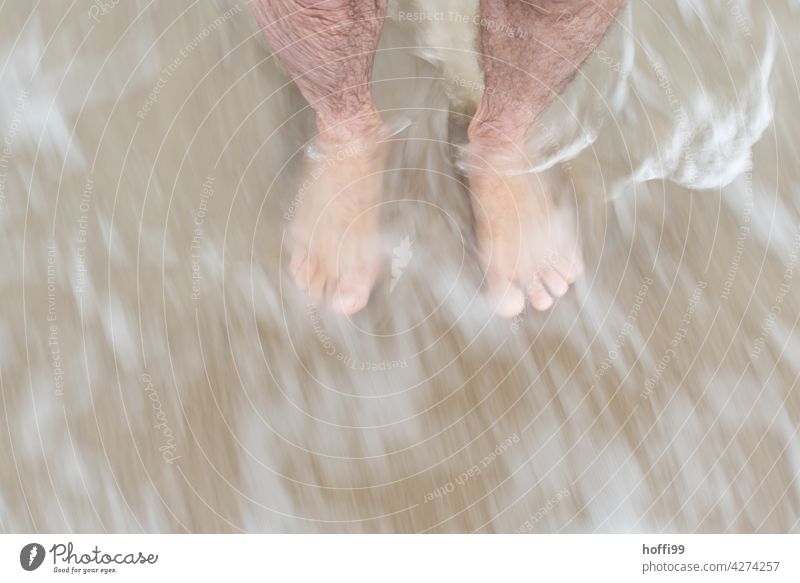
point(334, 235)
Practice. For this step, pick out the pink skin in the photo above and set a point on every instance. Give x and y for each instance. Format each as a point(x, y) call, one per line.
point(529, 53)
point(328, 49)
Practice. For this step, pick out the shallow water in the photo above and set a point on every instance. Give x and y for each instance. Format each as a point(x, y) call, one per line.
point(160, 373)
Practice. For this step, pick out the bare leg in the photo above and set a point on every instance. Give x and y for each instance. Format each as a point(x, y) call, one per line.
point(328, 48)
point(530, 51)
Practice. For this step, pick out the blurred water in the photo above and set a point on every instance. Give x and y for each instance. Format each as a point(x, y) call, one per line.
point(160, 373)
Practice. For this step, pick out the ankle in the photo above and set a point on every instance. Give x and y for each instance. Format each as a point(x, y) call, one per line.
point(345, 128)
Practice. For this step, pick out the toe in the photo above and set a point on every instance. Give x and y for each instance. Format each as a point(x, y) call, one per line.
point(506, 298)
point(350, 298)
point(540, 299)
point(307, 273)
point(317, 282)
point(299, 255)
point(303, 269)
point(555, 282)
point(357, 268)
point(569, 268)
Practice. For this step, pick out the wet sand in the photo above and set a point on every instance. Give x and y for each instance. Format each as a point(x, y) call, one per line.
point(160, 373)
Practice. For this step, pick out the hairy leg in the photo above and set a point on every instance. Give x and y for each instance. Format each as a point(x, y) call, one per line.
point(530, 51)
point(327, 47)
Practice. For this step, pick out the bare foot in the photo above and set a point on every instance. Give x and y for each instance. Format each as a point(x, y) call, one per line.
point(334, 234)
point(526, 246)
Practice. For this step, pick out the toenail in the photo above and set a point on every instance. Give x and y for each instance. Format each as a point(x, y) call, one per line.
point(511, 304)
point(542, 303)
point(347, 303)
point(560, 287)
point(510, 307)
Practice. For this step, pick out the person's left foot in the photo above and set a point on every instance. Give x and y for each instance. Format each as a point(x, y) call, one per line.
point(526, 246)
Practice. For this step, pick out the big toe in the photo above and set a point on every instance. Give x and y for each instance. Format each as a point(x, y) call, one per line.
point(506, 298)
point(351, 294)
